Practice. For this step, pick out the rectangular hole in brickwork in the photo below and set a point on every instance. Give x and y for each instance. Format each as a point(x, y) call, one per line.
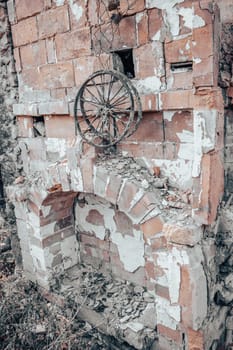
point(182, 66)
point(123, 62)
point(39, 126)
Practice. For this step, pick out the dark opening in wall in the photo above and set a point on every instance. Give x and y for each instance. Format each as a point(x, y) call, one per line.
point(123, 62)
point(182, 66)
point(39, 126)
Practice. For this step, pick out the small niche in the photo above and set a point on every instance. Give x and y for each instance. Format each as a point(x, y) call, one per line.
point(39, 126)
point(182, 67)
point(123, 62)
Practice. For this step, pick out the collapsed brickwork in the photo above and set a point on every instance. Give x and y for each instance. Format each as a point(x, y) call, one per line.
point(141, 213)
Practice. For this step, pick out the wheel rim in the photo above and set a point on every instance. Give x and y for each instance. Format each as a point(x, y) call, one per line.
point(106, 102)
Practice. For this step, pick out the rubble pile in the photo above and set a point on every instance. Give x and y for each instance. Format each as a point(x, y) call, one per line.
point(119, 308)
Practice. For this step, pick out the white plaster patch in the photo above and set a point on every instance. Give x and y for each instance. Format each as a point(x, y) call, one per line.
point(190, 19)
point(139, 16)
point(162, 4)
point(59, 2)
point(168, 115)
point(186, 151)
point(167, 315)
point(76, 180)
point(38, 257)
point(69, 249)
point(178, 171)
point(204, 136)
point(157, 36)
point(197, 60)
point(76, 10)
point(104, 210)
point(54, 145)
point(131, 251)
point(148, 85)
point(45, 210)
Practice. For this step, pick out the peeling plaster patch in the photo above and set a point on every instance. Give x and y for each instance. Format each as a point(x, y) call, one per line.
point(76, 10)
point(148, 85)
point(185, 136)
point(54, 145)
point(59, 2)
point(168, 115)
point(204, 136)
point(191, 21)
point(167, 315)
point(139, 16)
point(178, 171)
point(162, 4)
point(104, 210)
point(69, 248)
point(157, 36)
point(131, 251)
point(77, 180)
point(197, 60)
point(186, 151)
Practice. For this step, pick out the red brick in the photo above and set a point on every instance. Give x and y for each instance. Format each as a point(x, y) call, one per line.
point(140, 149)
point(195, 340)
point(87, 174)
point(50, 49)
point(181, 121)
point(145, 205)
point(73, 44)
point(127, 31)
point(150, 128)
point(93, 12)
point(142, 28)
point(25, 126)
point(58, 75)
point(127, 195)
point(170, 333)
point(17, 58)
point(150, 270)
point(177, 100)
point(59, 126)
point(185, 298)
point(149, 103)
point(113, 188)
point(76, 20)
point(186, 235)
point(132, 7)
point(53, 238)
point(208, 98)
point(27, 8)
point(203, 42)
point(179, 80)
point(203, 72)
point(33, 55)
point(155, 22)
point(85, 67)
point(123, 223)
point(95, 218)
point(162, 291)
point(58, 94)
point(158, 242)
point(152, 226)
point(25, 32)
point(179, 50)
point(31, 77)
point(53, 21)
point(56, 215)
point(147, 60)
point(212, 186)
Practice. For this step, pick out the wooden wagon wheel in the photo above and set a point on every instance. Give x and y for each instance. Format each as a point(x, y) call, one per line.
point(105, 108)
